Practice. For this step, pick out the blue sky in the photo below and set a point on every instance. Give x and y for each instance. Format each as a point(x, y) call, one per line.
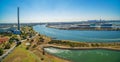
point(59, 10)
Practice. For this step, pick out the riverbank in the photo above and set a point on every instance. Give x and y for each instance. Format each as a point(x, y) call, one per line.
point(63, 44)
point(37, 48)
point(41, 41)
point(68, 27)
point(81, 48)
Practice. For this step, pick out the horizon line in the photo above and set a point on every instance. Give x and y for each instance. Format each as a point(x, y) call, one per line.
point(59, 21)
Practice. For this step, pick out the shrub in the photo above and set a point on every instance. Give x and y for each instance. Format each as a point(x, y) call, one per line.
point(1, 51)
point(27, 47)
point(34, 46)
point(41, 39)
point(11, 40)
point(7, 46)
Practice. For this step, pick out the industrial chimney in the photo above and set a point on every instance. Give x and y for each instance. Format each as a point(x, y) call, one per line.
point(18, 30)
point(18, 18)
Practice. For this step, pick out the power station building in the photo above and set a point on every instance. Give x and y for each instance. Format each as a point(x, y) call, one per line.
point(12, 29)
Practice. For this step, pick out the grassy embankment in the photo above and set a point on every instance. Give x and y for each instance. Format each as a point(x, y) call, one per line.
point(20, 54)
point(86, 45)
point(37, 48)
point(33, 52)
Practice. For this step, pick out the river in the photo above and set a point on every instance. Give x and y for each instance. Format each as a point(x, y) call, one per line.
point(82, 36)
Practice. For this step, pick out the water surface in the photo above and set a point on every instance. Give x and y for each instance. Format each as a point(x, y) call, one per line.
point(77, 35)
point(86, 55)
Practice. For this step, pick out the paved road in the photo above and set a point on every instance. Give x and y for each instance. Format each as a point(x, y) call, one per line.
point(9, 51)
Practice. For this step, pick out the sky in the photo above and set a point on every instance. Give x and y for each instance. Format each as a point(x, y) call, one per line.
point(58, 10)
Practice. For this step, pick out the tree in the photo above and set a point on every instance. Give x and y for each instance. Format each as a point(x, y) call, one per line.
point(11, 40)
point(41, 39)
point(7, 46)
point(1, 51)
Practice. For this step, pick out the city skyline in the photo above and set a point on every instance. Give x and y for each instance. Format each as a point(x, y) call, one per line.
point(58, 10)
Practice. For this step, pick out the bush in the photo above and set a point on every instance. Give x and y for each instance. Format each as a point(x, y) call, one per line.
point(41, 39)
point(1, 51)
point(34, 46)
point(27, 47)
point(7, 46)
point(11, 40)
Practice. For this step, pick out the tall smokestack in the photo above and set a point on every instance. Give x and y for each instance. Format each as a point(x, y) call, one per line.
point(18, 18)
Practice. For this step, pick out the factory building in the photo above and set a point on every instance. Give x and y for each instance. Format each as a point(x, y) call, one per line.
point(14, 29)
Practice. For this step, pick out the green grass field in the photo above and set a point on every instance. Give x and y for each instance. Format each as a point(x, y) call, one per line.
point(20, 54)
